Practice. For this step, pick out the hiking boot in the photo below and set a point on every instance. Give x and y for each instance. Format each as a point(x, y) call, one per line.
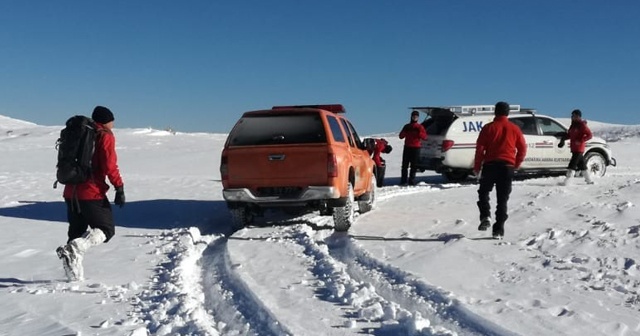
point(485, 223)
point(497, 231)
point(64, 256)
point(71, 262)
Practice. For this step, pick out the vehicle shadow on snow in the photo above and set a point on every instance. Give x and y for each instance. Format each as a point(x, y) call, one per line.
point(210, 217)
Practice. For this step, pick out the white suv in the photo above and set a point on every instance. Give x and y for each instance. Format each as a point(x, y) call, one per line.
point(453, 131)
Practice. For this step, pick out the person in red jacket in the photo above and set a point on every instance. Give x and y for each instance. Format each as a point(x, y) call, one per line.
point(578, 134)
point(413, 133)
point(378, 147)
point(88, 208)
point(500, 149)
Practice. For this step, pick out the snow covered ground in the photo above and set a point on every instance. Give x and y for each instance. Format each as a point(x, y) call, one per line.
point(416, 265)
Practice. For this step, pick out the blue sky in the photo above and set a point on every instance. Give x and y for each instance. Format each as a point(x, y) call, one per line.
point(197, 65)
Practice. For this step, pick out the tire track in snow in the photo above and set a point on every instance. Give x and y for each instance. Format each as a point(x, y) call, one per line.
point(380, 292)
point(230, 300)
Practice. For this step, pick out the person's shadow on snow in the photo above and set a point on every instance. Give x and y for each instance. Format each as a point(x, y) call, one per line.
point(210, 217)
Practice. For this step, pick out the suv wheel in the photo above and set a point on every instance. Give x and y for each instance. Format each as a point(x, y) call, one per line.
point(368, 205)
point(596, 164)
point(343, 216)
point(456, 175)
point(240, 217)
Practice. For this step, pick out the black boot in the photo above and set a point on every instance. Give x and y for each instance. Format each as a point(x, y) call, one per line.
point(485, 223)
point(498, 230)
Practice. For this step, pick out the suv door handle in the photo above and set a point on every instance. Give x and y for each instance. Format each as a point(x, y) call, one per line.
point(277, 157)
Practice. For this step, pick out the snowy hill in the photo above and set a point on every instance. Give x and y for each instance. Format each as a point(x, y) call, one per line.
point(416, 265)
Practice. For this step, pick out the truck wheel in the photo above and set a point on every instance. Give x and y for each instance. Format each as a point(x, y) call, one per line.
point(240, 217)
point(368, 205)
point(456, 175)
point(343, 216)
point(596, 164)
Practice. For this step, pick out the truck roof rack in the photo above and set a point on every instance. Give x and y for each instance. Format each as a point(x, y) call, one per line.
point(335, 108)
point(471, 109)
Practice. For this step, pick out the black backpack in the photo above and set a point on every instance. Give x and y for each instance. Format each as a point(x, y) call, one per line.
point(75, 150)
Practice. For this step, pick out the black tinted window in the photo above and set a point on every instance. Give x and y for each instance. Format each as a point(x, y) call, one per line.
point(550, 127)
point(334, 125)
point(355, 135)
point(278, 129)
point(346, 129)
point(438, 125)
point(527, 125)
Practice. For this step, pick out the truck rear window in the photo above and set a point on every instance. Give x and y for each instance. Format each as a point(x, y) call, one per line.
point(282, 129)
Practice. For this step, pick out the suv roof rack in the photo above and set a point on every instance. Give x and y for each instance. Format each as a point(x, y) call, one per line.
point(472, 109)
point(335, 108)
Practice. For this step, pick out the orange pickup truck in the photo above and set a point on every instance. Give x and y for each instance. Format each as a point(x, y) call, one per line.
point(304, 157)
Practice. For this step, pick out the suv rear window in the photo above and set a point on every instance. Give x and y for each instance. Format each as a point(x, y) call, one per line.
point(438, 124)
point(281, 129)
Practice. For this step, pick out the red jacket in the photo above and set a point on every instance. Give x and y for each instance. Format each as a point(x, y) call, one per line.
point(413, 133)
point(500, 140)
point(381, 144)
point(104, 164)
point(578, 133)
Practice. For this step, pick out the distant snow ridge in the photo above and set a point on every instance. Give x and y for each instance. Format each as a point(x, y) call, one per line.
point(615, 133)
point(7, 123)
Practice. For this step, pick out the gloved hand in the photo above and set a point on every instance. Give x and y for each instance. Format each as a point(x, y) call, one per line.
point(119, 196)
point(560, 144)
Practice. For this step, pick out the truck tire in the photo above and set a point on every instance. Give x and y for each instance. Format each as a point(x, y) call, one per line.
point(370, 204)
point(344, 216)
point(240, 217)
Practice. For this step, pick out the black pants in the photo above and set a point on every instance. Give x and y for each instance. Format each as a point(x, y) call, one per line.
point(499, 174)
point(84, 214)
point(380, 171)
point(410, 157)
point(577, 161)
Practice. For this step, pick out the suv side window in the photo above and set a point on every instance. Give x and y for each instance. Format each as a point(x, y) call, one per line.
point(336, 131)
point(527, 125)
point(348, 131)
point(550, 127)
point(260, 130)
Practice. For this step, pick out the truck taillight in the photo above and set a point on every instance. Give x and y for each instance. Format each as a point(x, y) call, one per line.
point(332, 165)
point(446, 145)
point(224, 168)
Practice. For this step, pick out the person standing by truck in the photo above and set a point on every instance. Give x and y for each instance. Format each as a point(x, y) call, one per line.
point(578, 134)
point(500, 149)
point(375, 148)
point(413, 133)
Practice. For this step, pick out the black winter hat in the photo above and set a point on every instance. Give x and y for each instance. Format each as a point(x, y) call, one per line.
point(501, 109)
point(415, 113)
point(102, 115)
point(577, 112)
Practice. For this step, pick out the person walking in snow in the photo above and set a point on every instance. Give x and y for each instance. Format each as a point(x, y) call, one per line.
point(500, 150)
point(578, 134)
point(88, 208)
point(413, 133)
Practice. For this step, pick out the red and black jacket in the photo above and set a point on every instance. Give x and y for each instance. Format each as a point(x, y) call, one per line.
point(104, 164)
point(413, 133)
point(500, 140)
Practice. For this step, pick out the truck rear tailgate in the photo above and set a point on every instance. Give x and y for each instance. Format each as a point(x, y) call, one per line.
point(278, 165)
